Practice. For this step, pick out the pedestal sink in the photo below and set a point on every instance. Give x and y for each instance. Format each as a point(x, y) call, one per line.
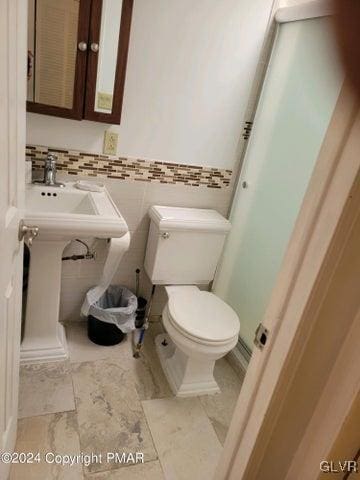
point(61, 215)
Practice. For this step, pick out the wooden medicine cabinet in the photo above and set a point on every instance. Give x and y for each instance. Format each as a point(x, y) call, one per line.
point(77, 56)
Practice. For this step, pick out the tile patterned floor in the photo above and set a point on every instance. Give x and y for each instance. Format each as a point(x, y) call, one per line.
point(146, 471)
point(219, 408)
point(109, 411)
point(103, 400)
point(44, 434)
point(45, 388)
point(184, 437)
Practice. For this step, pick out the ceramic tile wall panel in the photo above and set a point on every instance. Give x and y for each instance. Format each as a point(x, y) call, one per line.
point(129, 198)
point(78, 277)
point(182, 196)
point(133, 199)
point(73, 291)
point(151, 171)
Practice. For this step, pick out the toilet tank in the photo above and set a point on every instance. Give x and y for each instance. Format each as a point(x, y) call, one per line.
point(184, 245)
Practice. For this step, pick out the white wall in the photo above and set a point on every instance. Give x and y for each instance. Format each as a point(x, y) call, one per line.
point(190, 69)
point(290, 3)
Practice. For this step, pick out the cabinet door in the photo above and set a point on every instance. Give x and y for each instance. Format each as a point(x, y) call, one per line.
point(58, 33)
point(108, 50)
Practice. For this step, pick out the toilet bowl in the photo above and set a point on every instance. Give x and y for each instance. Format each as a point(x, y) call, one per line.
point(183, 250)
point(201, 328)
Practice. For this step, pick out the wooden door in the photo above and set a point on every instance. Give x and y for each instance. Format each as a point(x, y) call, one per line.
point(12, 164)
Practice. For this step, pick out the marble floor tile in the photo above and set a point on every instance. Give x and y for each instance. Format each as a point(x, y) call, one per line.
point(45, 388)
point(186, 442)
point(220, 407)
point(110, 416)
point(150, 380)
point(48, 433)
point(146, 471)
point(81, 349)
point(148, 376)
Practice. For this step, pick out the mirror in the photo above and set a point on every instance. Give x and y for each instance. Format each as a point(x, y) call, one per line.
point(107, 56)
point(52, 49)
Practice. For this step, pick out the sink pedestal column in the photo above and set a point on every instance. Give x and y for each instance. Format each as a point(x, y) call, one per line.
point(44, 337)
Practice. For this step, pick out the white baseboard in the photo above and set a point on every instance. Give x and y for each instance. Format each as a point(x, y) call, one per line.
point(239, 358)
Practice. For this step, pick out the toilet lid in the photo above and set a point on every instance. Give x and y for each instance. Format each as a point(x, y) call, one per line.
point(203, 315)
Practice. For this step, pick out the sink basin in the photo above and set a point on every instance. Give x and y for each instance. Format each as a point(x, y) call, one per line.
point(59, 202)
point(61, 215)
point(69, 213)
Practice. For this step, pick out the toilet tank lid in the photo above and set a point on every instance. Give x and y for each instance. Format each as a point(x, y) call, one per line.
point(180, 218)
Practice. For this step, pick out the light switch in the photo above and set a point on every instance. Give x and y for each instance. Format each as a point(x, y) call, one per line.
point(104, 101)
point(110, 142)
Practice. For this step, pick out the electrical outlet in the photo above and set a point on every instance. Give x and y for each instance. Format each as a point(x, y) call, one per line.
point(110, 142)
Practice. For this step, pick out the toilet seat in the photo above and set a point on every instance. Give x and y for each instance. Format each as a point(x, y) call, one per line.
point(203, 317)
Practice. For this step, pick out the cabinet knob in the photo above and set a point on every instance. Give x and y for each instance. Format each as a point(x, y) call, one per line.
point(94, 47)
point(82, 46)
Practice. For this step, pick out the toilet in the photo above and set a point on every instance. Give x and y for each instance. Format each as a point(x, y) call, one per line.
point(183, 250)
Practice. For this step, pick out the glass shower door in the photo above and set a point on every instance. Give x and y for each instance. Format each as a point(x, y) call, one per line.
point(301, 88)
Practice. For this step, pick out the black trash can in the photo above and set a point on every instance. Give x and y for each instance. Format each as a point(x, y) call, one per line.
point(102, 333)
point(112, 316)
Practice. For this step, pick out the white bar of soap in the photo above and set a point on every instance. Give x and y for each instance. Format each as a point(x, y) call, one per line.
point(90, 186)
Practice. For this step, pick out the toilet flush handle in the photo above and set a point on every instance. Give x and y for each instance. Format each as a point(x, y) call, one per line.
point(165, 235)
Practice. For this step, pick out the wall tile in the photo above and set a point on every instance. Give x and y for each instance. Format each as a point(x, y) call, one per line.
point(182, 196)
point(137, 170)
point(129, 197)
point(133, 200)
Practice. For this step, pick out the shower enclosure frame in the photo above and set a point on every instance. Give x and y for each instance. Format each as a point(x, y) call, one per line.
point(316, 241)
point(238, 278)
point(311, 248)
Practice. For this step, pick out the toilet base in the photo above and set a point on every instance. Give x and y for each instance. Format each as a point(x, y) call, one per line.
point(187, 376)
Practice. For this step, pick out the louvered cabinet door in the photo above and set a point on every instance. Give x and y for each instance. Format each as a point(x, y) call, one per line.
point(77, 58)
point(58, 35)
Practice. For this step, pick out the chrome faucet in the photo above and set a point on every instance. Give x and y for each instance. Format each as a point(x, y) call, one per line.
point(50, 172)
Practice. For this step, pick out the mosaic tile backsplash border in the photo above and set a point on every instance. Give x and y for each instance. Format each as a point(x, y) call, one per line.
point(75, 162)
